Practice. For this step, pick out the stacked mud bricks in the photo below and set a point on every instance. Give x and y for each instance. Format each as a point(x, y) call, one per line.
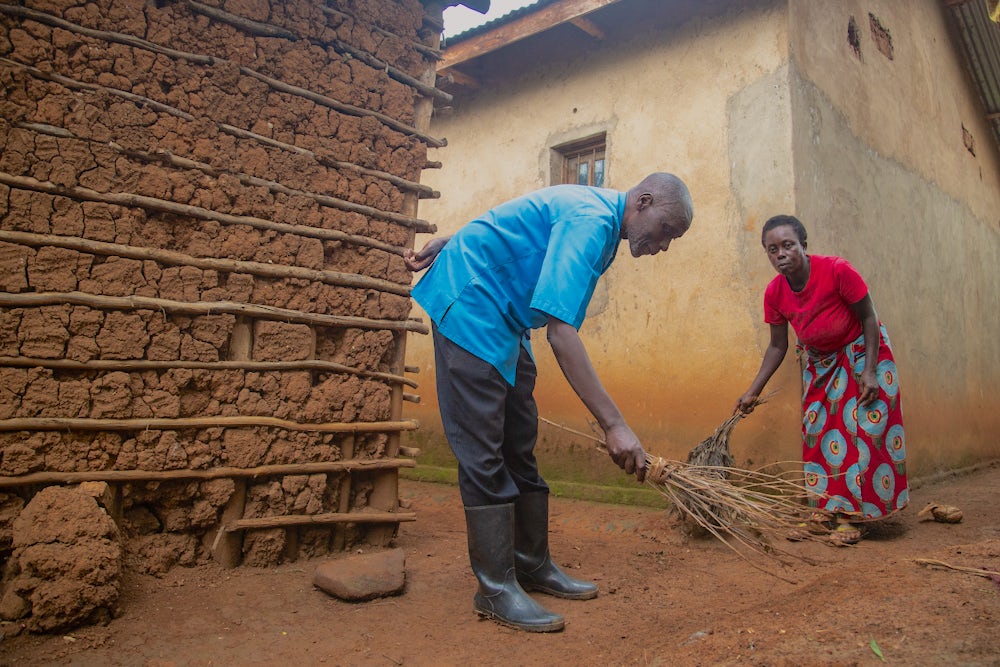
point(203, 303)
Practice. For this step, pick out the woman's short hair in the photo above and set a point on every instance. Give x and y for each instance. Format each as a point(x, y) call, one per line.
point(781, 221)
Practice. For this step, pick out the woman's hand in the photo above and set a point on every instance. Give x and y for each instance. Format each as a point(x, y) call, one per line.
point(626, 451)
point(745, 403)
point(867, 387)
point(418, 261)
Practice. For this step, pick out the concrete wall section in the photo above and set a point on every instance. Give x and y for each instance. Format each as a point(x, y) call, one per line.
point(884, 178)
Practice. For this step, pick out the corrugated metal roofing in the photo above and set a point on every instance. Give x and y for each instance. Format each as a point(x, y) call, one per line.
point(980, 38)
point(500, 20)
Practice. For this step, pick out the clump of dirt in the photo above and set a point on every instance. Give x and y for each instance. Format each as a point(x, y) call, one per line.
point(67, 563)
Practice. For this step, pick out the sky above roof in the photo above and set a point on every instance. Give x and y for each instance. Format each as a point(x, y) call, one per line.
point(460, 18)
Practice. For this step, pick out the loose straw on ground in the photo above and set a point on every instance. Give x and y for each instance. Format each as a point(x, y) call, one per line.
point(989, 574)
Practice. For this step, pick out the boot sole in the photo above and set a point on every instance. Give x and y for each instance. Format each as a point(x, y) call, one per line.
point(555, 626)
point(559, 594)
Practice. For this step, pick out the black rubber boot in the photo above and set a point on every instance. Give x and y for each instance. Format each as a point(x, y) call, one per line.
point(535, 569)
point(491, 552)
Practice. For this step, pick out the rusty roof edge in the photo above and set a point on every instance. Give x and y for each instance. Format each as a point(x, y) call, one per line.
point(979, 38)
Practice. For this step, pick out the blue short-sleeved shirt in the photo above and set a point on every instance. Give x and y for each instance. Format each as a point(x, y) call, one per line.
point(508, 271)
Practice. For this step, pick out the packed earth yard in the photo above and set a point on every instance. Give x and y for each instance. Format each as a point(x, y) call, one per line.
point(663, 600)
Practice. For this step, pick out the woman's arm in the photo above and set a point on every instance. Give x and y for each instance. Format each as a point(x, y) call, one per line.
point(867, 383)
point(773, 356)
point(622, 444)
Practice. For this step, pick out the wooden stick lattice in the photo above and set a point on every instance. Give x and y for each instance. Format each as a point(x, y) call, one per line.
point(424, 191)
point(224, 265)
point(201, 59)
point(97, 365)
point(36, 299)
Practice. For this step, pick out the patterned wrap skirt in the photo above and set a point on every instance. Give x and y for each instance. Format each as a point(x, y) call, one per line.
point(854, 456)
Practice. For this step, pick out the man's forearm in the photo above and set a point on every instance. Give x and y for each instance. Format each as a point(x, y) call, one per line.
point(579, 371)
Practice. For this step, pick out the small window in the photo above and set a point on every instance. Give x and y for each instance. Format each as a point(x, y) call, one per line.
point(583, 162)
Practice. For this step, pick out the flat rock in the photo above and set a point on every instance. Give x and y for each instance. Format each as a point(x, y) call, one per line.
point(361, 577)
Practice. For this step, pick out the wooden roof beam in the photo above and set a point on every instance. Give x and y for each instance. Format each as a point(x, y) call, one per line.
point(588, 27)
point(562, 11)
point(461, 78)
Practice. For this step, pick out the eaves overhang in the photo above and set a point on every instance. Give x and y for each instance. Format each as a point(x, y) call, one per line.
point(978, 33)
point(533, 19)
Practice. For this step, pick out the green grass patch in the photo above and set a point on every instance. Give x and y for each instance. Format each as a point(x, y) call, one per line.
point(639, 496)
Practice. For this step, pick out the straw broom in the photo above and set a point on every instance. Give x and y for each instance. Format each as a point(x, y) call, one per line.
point(713, 451)
point(751, 512)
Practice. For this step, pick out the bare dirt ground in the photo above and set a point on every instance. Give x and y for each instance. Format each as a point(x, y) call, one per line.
point(663, 601)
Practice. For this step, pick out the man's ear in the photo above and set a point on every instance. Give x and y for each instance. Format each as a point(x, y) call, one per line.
point(645, 201)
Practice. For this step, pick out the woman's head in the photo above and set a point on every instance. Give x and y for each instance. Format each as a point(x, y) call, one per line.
point(784, 241)
point(781, 221)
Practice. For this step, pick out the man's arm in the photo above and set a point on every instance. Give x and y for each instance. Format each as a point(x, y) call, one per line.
point(418, 261)
point(622, 444)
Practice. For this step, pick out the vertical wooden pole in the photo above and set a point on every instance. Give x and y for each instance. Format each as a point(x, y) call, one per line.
point(227, 548)
point(291, 551)
point(344, 500)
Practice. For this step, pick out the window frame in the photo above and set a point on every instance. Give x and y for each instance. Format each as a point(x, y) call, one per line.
point(593, 148)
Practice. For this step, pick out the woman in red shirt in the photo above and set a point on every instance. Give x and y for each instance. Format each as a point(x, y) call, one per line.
point(853, 447)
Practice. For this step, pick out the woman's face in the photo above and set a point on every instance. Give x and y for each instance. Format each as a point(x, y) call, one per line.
point(785, 251)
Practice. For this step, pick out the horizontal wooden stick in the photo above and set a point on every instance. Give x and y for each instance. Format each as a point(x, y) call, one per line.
point(165, 157)
point(393, 72)
point(130, 200)
point(423, 191)
point(270, 30)
point(99, 301)
point(244, 24)
point(343, 107)
point(182, 423)
point(171, 160)
point(428, 51)
point(104, 35)
point(291, 520)
point(315, 468)
point(128, 365)
point(173, 258)
point(73, 84)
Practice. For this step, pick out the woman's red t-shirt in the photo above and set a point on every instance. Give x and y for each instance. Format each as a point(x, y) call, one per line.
point(821, 313)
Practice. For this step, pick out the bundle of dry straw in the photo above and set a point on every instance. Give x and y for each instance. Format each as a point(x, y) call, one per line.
point(750, 511)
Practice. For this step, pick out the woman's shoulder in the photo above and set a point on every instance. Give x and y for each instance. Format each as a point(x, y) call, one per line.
point(774, 288)
point(833, 263)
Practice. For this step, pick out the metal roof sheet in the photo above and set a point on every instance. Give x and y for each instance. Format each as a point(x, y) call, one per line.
point(500, 20)
point(980, 41)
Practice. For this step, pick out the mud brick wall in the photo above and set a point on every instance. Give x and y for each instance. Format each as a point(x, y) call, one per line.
point(203, 207)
